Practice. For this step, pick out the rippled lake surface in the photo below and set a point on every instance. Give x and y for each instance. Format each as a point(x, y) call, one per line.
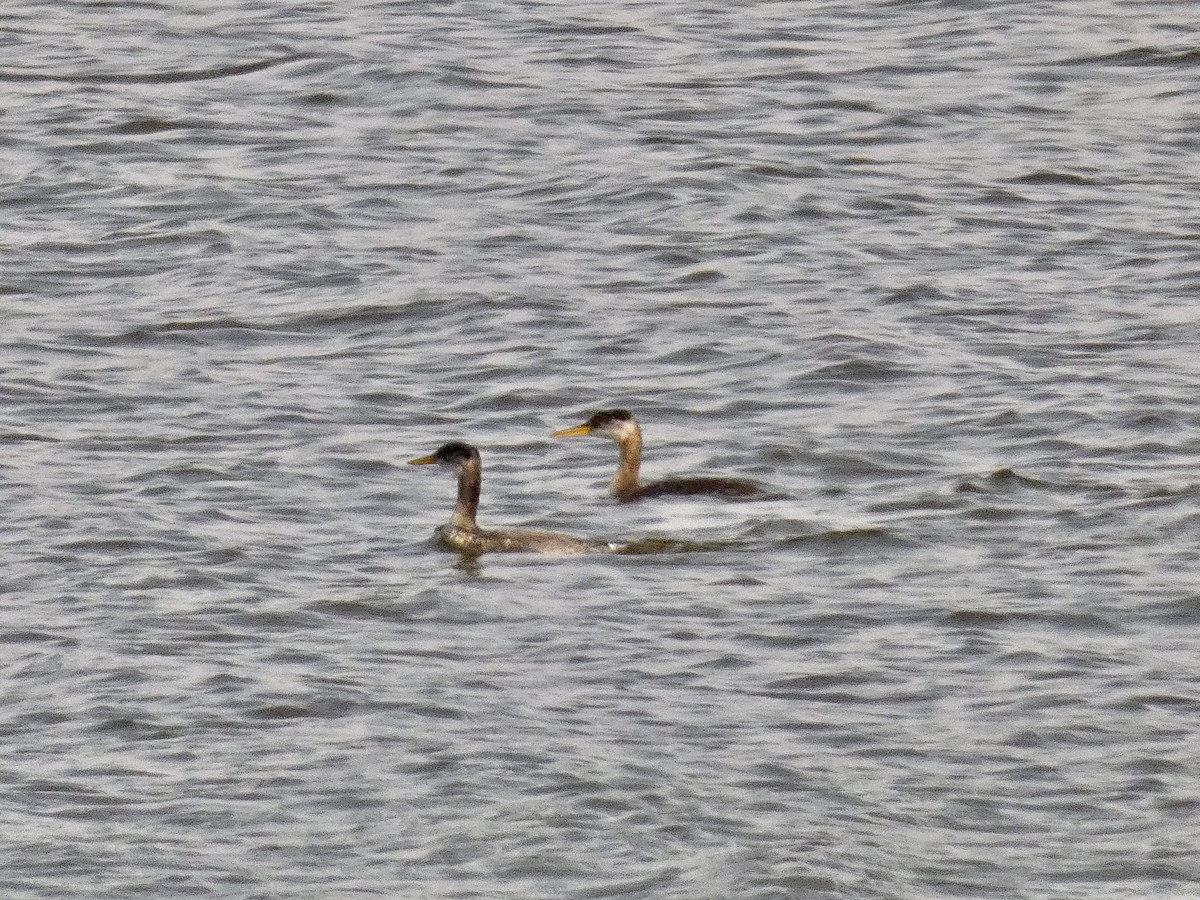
point(927, 269)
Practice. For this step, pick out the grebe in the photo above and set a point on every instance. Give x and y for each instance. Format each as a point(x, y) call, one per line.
point(622, 427)
point(462, 534)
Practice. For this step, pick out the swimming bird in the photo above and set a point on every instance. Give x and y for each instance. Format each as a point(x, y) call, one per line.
point(461, 533)
point(622, 427)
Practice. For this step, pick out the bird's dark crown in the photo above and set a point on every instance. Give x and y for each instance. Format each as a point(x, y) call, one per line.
point(455, 453)
point(608, 416)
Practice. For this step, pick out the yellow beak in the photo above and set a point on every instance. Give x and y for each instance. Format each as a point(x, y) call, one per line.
point(423, 461)
point(577, 431)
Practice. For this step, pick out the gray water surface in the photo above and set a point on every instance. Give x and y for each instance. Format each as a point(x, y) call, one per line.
point(927, 269)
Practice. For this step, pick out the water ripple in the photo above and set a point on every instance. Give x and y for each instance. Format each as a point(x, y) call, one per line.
point(230, 70)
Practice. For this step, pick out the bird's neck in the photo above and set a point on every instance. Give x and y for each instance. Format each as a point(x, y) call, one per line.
point(469, 480)
point(631, 460)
